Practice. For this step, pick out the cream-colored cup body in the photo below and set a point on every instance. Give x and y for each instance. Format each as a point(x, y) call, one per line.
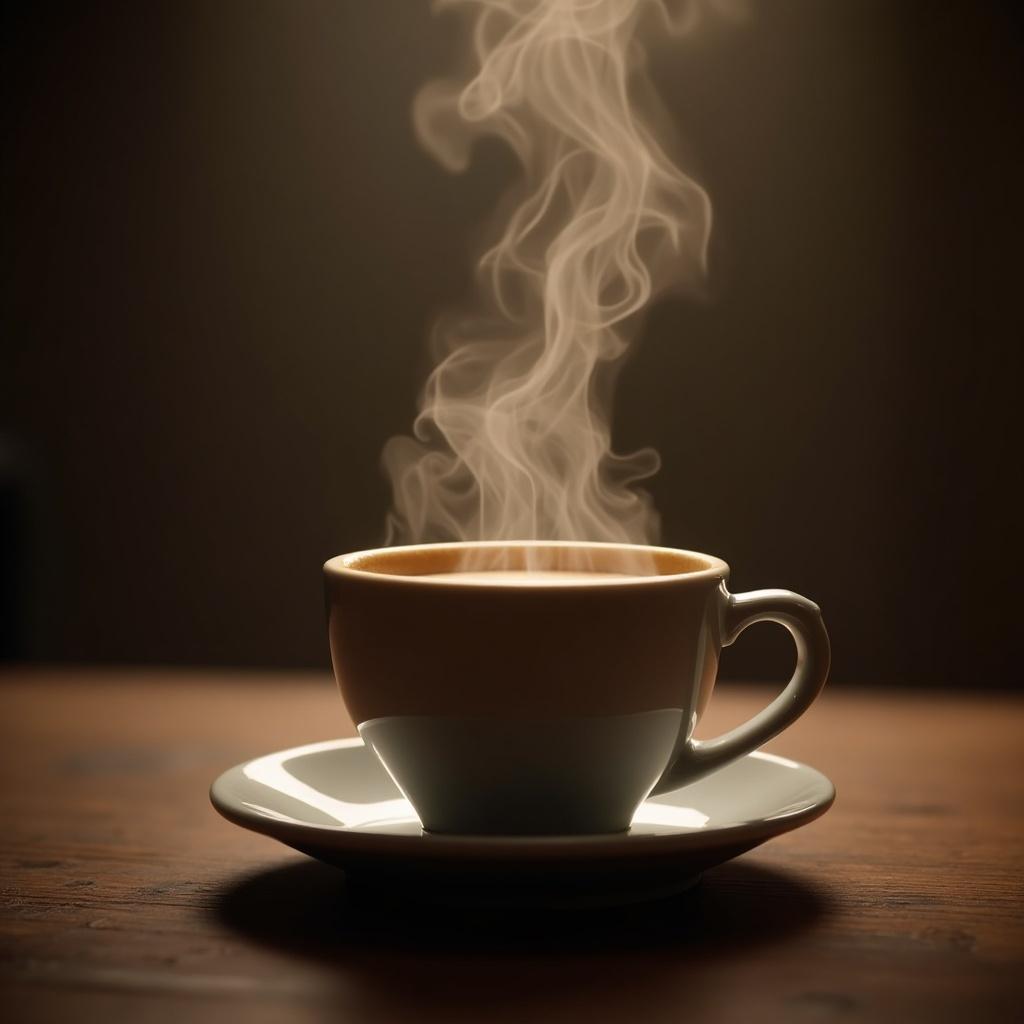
point(547, 707)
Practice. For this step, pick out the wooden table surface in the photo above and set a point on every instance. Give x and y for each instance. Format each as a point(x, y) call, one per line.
point(126, 898)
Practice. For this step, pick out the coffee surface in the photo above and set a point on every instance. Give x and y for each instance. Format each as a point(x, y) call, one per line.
point(526, 577)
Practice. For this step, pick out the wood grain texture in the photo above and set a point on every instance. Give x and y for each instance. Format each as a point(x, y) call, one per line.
point(125, 897)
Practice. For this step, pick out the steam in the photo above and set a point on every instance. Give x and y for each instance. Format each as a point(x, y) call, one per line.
point(513, 438)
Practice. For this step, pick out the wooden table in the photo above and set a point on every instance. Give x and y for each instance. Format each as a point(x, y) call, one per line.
point(126, 898)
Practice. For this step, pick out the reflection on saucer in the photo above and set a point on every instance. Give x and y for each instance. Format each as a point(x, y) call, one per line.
point(272, 772)
point(652, 813)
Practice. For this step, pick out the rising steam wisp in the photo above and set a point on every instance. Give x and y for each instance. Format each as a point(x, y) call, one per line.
point(512, 440)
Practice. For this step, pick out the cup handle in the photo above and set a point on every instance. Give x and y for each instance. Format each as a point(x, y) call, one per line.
point(803, 620)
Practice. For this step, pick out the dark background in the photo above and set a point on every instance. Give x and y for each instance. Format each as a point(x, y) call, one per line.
point(222, 252)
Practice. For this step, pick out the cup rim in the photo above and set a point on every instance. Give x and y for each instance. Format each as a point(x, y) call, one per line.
point(345, 566)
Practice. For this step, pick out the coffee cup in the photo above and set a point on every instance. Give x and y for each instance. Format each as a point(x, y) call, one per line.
point(535, 688)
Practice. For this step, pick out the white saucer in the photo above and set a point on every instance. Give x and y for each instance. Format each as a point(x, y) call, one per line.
point(335, 802)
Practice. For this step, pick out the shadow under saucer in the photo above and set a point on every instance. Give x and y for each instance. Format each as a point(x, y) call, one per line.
point(314, 911)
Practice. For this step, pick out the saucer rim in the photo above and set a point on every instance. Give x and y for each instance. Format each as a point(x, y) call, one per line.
point(435, 846)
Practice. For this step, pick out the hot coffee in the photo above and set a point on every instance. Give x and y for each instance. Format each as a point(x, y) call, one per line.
point(527, 577)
